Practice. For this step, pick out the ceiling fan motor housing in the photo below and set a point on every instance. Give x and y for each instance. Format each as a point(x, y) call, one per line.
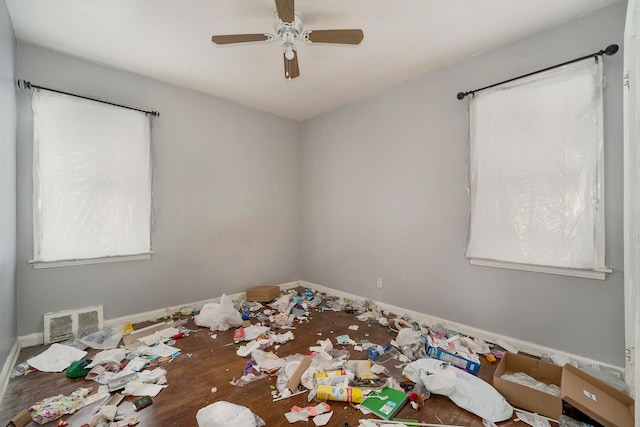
point(288, 32)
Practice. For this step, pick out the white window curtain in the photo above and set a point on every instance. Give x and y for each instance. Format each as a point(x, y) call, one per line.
point(92, 179)
point(536, 170)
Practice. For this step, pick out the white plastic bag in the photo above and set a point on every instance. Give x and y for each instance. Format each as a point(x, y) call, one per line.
point(465, 390)
point(227, 414)
point(219, 316)
point(104, 339)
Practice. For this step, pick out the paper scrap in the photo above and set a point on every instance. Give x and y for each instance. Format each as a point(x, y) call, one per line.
point(323, 419)
point(56, 358)
point(159, 336)
point(141, 389)
point(354, 327)
point(163, 350)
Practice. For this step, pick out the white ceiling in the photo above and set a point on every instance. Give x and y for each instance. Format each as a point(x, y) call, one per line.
point(170, 40)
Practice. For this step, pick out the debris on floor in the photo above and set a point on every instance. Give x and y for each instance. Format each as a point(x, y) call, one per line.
point(416, 361)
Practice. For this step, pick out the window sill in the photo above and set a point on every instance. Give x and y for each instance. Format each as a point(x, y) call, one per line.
point(67, 263)
point(598, 274)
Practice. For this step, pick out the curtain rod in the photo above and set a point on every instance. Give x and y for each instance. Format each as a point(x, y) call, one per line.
point(610, 50)
point(23, 84)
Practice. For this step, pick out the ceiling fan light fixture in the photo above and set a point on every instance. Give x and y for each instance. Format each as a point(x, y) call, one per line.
point(288, 51)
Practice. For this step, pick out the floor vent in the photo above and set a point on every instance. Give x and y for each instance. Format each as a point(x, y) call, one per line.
point(67, 324)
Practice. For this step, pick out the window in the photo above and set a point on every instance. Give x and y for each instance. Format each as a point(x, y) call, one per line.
point(92, 181)
point(536, 173)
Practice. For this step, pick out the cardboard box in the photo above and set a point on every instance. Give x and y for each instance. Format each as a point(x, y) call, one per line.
point(456, 360)
point(524, 397)
point(589, 395)
point(597, 400)
point(265, 293)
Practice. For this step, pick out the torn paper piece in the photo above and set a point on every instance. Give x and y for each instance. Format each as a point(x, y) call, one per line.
point(141, 389)
point(154, 376)
point(136, 365)
point(115, 355)
point(345, 340)
point(325, 345)
point(282, 338)
point(159, 336)
point(254, 331)
point(354, 327)
point(245, 350)
point(322, 420)
point(163, 350)
point(104, 339)
point(56, 358)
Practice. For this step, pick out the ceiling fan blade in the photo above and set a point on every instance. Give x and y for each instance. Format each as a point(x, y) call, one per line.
point(285, 10)
point(241, 38)
point(334, 36)
point(291, 70)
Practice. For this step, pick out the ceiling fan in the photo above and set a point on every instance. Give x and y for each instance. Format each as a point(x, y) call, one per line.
point(287, 24)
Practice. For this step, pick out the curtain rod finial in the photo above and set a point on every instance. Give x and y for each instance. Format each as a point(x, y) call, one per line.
point(461, 95)
point(611, 50)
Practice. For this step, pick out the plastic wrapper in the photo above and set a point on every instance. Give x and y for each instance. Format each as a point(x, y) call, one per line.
point(535, 164)
point(465, 390)
point(528, 381)
point(219, 316)
point(105, 338)
point(227, 414)
point(92, 179)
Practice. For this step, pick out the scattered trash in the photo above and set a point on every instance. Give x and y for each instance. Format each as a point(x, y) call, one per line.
point(105, 338)
point(403, 371)
point(56, 358)
point(219, 316)
point(528, 381)
point(464, 389)
point(52, 408)
point(532, 419)
point(223, 414)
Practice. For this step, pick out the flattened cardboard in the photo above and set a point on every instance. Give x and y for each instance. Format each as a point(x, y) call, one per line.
point(603, 403)
point(294, 381)
point(20, 420)
point(587, 394)
point(266, 293)
point(526, 397)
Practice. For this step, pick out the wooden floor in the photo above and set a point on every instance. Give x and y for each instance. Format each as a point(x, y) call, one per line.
point(205, 363)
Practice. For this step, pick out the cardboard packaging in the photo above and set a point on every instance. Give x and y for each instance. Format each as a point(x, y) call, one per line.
point(456, 360)
point(589, 395)
point(598, 400)
point(20, 420)
point(266, 293)
point(525, 397)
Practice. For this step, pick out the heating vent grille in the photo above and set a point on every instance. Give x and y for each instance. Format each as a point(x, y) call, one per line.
point(64, 325)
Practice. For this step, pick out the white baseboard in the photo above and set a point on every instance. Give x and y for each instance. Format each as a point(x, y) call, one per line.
point(37, 338)
point(521, 345)
point(491, 337)
point(9, 363)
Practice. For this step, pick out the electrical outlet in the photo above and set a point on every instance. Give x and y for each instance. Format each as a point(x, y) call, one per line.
point(379, 283)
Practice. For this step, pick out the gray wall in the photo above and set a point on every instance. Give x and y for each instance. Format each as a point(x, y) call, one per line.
point(226, 192)
point(7, 185)
point(384, 195)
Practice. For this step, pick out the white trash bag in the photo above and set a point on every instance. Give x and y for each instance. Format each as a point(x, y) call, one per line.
point(219, 316)
point(227, 414)
point(465, 390)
